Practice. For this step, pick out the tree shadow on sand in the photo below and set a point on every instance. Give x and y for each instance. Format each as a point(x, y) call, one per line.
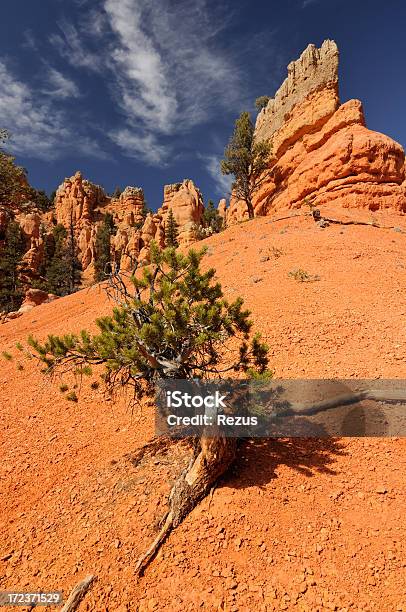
point(259, 459)
point(308, 444)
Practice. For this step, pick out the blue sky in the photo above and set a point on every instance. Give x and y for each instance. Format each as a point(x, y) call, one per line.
point(145, 92)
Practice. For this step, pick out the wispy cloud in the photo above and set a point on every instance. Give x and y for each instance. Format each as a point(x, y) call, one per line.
point(71, 46)
point(222, 182)
point(140, 145)
point(38, 128)
point(60, 86)
point(164, 77)
point(307, 3)
point(29, 41)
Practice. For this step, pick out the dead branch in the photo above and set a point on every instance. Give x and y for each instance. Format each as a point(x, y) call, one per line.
point(147, 557)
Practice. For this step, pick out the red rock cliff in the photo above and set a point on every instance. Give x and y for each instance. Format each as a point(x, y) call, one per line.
point(322, 152)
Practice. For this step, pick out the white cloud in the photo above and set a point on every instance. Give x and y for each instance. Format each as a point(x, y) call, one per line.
point(71, 47)
point(145, 91)
point(140, 145)
point(161, 63)
point(38, 128)
point(222, 182)
point(60, 85)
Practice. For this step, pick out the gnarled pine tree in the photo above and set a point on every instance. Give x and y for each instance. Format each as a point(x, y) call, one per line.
point(14, 188)
point(247, 160)
point(175, 323)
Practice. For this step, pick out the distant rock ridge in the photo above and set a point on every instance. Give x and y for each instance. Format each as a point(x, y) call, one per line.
point(83, 204)
point(321, 151)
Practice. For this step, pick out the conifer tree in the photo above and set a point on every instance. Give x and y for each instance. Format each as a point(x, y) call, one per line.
point(171, 230)
point(56, 271)
point(174, 324)
point(13, 179)
point(63, 272)
point(40, 199)
point(116, 193)
point(74, 266)
point(47, 255)
point(247, 160)
point(102, 263)
point(14, 188)
point(11, 293)
point(212, 218)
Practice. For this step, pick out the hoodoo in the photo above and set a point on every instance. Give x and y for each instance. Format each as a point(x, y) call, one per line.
point(322, 151)
point(81, 202)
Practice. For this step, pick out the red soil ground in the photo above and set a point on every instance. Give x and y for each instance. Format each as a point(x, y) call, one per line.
point(299, 524)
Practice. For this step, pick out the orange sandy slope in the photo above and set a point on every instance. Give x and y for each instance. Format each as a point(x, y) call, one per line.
point(298, 524)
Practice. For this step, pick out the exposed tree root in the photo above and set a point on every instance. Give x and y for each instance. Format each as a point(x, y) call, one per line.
point(332, 221)
point(161, 444)
point(354, 222)
point(77, 594)
point(209, 462)
point(147, 557)
point(379, 395)
point(317, 217)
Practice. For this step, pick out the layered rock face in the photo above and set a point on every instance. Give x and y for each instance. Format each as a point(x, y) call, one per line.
point(128, 209)
point(76, 202)
point(322, 152)
point(76, 199)
point(308, 95)
point(186, 203)
point(80, 202)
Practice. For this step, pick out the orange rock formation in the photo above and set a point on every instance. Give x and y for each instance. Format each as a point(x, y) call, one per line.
point(84, 204)
point(322, 152)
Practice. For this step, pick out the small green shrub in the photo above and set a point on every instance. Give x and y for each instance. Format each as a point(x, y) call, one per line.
point(302, 276)
point(63, 388)
point(262, 102)
point(85, 370)
point(276, 252)
point(72, 397)
point(7, 356)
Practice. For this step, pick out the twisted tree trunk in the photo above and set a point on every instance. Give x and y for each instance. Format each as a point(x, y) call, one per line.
point(212, 459)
